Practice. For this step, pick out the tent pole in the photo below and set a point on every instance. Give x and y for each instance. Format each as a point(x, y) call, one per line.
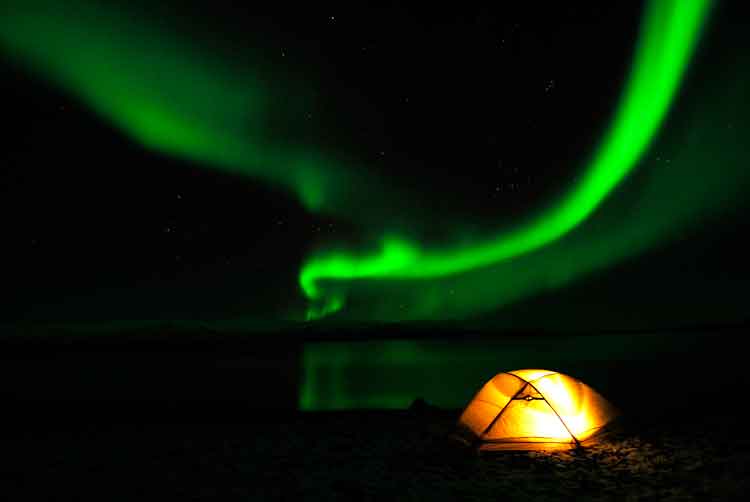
point(578, 443)
point(494, 420)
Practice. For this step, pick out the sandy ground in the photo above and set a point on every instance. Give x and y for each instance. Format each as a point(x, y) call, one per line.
point(375, 455)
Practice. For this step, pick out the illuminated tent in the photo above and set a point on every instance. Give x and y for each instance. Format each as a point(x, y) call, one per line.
point(534, 410)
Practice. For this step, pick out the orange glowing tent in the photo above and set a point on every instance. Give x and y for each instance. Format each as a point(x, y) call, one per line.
point(534, 410)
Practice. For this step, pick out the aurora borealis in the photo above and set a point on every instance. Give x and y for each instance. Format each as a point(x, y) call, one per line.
point(669, 33)
point(218, 106)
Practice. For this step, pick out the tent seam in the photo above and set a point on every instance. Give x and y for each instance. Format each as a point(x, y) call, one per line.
point(494, 420)
point(578, 443)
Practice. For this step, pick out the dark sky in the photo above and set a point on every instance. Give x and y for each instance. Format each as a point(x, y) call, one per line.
point(97, 227)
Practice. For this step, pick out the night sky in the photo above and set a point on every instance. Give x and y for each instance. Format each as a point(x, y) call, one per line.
point(472, 114)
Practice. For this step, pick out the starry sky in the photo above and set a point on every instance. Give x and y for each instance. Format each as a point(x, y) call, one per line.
point(481, 111)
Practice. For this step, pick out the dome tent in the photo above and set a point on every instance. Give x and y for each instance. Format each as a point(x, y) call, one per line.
point(534, 410)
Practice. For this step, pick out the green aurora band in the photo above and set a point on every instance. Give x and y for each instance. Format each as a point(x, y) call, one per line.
point(172, 95)
point(205, 103)
point(669, 34)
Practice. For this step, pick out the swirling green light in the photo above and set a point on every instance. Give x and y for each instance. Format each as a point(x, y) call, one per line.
point(668, 36)
point(176, 96)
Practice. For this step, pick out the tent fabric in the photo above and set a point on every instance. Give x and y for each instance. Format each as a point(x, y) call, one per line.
point(530, 375)
point(534, 409)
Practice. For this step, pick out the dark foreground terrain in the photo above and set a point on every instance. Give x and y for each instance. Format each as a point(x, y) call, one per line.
point(168, 415)
point(394, 455)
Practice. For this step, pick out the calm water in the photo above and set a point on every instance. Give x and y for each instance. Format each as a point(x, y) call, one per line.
point(445, 373)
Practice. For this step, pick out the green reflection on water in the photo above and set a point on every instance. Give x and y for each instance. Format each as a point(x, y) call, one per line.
point(392, 374)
